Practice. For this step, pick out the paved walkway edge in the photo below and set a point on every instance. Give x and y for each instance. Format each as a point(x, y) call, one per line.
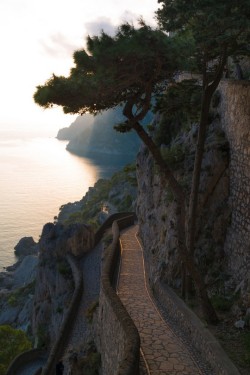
point(192, 326)
point(119, 339)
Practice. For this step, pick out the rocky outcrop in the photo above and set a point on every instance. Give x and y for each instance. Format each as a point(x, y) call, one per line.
point(17, 286)
point(54, 282)
point(223, 236)
point(26, 246)
point(57, 240)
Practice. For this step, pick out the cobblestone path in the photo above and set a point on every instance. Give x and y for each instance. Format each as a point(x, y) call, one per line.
point(162, 352)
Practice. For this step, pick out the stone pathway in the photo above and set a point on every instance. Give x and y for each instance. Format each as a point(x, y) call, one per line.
point(31, 367)
point(91, 269)
point(162, 352)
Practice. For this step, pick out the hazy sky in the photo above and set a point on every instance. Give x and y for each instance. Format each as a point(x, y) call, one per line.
point(38, 37)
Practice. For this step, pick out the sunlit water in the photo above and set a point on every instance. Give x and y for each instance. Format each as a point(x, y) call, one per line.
point(37, 176)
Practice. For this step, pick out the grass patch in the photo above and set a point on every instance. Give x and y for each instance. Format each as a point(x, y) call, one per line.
point(64, 269)
point(173, 155)
point(16, 297)
point(221, 303)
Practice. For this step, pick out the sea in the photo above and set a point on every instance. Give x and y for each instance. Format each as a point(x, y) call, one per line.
point(37, 176)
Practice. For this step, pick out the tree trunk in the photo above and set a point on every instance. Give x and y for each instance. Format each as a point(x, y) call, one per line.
point(179, 195)
point(193, 199)
point(208, 91)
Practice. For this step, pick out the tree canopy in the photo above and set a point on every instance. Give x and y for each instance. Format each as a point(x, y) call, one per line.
point(135, 63)
point(219, 29)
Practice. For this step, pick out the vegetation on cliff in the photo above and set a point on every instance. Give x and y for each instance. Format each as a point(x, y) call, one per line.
point(12, 343)
point(106, 197)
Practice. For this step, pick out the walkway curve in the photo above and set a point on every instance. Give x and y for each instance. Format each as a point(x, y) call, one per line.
point(162, 350)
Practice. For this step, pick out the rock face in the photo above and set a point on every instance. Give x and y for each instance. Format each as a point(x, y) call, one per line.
point(74, 238)
point(54, 282)
point(17, 286)
point(156, 207)
point(223, 236)
point(26, 246)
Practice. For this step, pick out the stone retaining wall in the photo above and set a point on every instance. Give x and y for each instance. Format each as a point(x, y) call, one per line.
point(235, 117)
point(24, 358)
point(119, 339)
point(108, 223)
point(204, 342)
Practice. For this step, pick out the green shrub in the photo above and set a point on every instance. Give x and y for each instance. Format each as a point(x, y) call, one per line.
point(126, 203)
point(64, 269)
point(246, 343)
point(42, 337)
point(59, 310)
point(13, 300)
point(221, 303)
point(173, 155)
point(19, 294)
point(169, 197)
point(91, 363)
point(12, 343)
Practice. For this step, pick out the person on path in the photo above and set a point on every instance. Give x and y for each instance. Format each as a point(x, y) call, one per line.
point(59, 367)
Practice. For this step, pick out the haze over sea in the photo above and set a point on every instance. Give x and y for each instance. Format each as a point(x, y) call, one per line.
point(37, 176)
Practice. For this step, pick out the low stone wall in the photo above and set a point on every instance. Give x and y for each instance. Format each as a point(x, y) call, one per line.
point(58, 347)
point(205, 343)
point(29, 356)
point(108, 223)
point(119, 339)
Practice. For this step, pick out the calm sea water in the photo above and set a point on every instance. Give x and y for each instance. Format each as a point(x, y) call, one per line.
point(37, 176)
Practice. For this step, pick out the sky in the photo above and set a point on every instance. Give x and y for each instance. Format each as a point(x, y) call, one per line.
point(38, 38)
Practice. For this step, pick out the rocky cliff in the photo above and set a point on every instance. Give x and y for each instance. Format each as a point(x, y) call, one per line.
point(94, 137)
point(222, 247)
point(106, 197)
point(156, 207)
point(54, 281)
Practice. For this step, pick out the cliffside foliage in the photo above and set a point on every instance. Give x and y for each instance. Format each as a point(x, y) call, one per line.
point(108, 195)
point(179, 107)
point(110, 72)
point(12, 343)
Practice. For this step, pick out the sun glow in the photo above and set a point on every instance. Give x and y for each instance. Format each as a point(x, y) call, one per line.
point(38, 38)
